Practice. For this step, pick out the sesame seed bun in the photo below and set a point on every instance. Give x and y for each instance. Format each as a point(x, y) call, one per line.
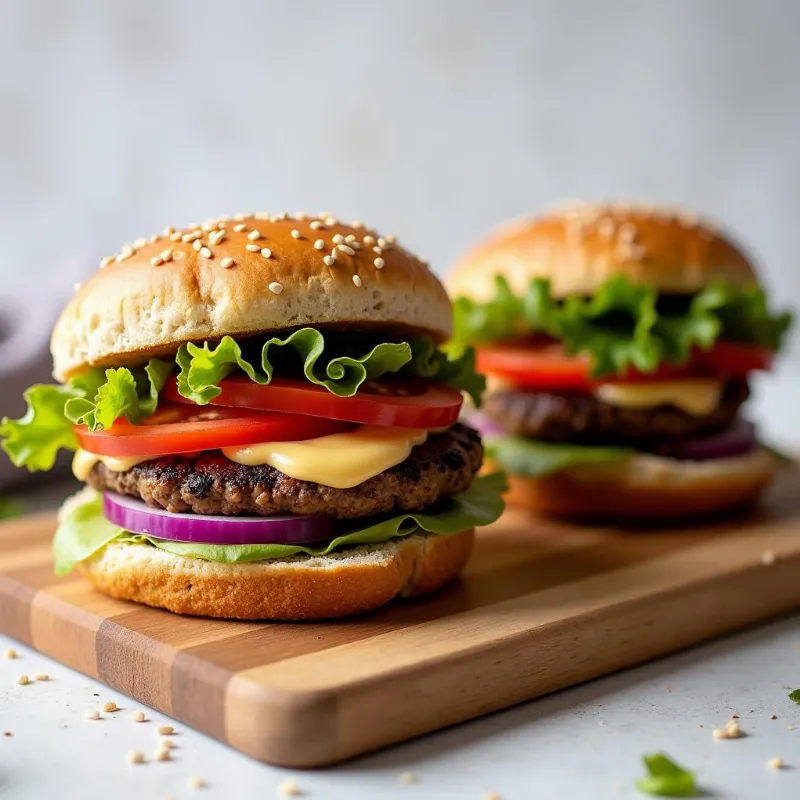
point(646, 487)
point(580, 247)
point(299, 588)
point(248, 275)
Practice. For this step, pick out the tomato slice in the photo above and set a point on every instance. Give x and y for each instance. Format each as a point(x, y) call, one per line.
point(549, 367)
point(402, 404)
point(183, 429)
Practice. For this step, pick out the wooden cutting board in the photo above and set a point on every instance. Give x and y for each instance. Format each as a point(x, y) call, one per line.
point(542, 606)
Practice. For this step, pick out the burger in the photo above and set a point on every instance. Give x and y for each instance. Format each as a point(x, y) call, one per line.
point(264, 421)
point(618, 342)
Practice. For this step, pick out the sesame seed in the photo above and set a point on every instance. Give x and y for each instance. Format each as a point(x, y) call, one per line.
point(106, 261)
point(240, 227)
point(350, 238)
point(153, 239)
point(329, 261)
point(331, 221)
point(356, 223)
point(94, 714)
point(730, 731)
point(379, 262)
point(253, 248)
point(165, 730)
point(346, 249)
point(315, 224)
point(41, 676)
point(135, 757)
point(253, 235)
point(209, 225)
point(627, 233)
point(319, 244)
point(190, 237)
point(295, 233)
point(197, 244)
point(239, 215)
point(166, 255)
point(338, 238)
point(156, 261)
point(357, 280)
point(205, 252)
point(110, 706)
point(335, 254)
point(300, 215)
point(355, 245)
point(193, 226)
point(768, 558)
point(407, 777)
point(167, 744)
point(163, 755)
point(492, 796)
point(169, 230)
point(275, 287)
point(140, 242)
point(175, 237)
point(289, 788)
point(10, 652)
point(138, 716)
point(196, 782)
point(226, 263)
point(368, 239)
point(378, 250)
point(381, 242)
point(391, 239)
point(23, 680)
point(776, 763)
point(216, 237)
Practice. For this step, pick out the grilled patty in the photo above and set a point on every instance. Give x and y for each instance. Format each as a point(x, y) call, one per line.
point(584, 419)
point(208, 483)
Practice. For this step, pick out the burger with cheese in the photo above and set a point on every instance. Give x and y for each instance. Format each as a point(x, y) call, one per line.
point(264, 420)
point(618, 342)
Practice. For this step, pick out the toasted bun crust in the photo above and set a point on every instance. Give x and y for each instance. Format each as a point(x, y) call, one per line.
point(646, 487)
point(139, 305)
point(297, 588)
point(579, 247)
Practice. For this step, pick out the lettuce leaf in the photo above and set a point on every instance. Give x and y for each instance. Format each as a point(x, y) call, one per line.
point(11, 507)
point(535, 458)
point(203, 367)
point(624, 324)
point(665, 778)
point(83, 530)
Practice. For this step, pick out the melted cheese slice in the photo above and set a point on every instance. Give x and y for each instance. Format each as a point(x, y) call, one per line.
point(342, 460)
point(696, 396)
point(83, 462)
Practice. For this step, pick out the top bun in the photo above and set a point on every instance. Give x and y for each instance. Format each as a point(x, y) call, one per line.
point(250, 274)
point(579, 247)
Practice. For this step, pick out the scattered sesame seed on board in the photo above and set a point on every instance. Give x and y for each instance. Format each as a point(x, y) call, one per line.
point(135, 757)
point(196, 782)
point(110, 706)
point(163, 755)
point(379, 263)
point(138, 716)
point(345, 248)
point(93, 714)
point(23, 680)
point(289, 788)
point(10, 652)
point(275, 287)
point(492, 796)
point(165, 730)
point(7, 733)
point(329, 261)
point(227, 263)
point(357, 280)
point(266, 252)
point(776, 763)
point(730, 731)
point(407, 777)
point(253, 248)
point(296, 233)
point(167, 744)
point(41, 676)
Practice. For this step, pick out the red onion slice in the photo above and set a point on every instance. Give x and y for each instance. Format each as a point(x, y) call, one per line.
point(739, 439)
point(137, 517)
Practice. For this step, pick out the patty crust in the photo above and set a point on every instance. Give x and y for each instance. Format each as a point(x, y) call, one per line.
point(582, 418)
point(208, 483)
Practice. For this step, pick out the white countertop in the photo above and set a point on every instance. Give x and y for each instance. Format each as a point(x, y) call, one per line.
point(581, 743)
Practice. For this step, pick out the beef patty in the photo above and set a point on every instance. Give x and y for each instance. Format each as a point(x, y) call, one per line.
point(208, 483)
point(584, 419)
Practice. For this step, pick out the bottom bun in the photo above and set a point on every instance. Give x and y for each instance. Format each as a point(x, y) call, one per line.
point(296, 588)
point(645, 487)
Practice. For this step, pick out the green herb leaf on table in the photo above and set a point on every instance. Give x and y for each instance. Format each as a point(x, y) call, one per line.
point(794, 696)
point(665, 778)
point(83, 530)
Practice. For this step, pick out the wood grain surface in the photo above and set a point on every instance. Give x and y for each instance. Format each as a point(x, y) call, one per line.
point(542, 606)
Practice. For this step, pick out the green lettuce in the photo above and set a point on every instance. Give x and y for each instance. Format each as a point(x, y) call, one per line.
point(623, 324)
point(83, 530)
point(203, 367)
point(665, 778)
point(10, 507)
point(535, 458)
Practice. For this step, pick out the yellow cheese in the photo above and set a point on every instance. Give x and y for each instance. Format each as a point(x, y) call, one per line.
point(83, 462)
point(342, 460)
point(694, 396)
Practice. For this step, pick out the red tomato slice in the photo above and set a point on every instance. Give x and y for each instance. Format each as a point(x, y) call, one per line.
point(183, 429)
point(549, 367)
point(402, 404)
